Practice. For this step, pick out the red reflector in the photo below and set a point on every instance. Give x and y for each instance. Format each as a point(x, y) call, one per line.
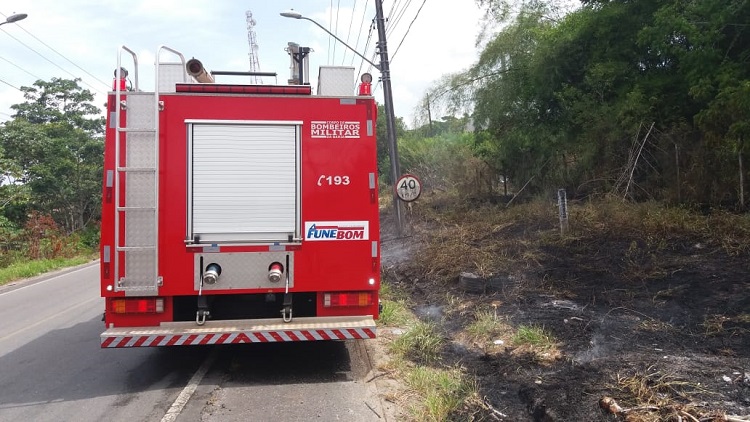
point(347, 299)
point(246, 89)
point(136, 306)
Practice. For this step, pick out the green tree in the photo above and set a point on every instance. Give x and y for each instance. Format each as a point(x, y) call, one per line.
point(381, 132)
point(14, 191)
point(55, 142)
point(563, 99)
point(60, 101)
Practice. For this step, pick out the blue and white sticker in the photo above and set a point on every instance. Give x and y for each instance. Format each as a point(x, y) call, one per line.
point(337, 230)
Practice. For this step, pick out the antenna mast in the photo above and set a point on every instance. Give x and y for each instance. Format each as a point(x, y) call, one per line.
point(253, 42)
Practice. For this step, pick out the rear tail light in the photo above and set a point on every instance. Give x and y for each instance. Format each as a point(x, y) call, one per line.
point(337, 299)
point(137, 306)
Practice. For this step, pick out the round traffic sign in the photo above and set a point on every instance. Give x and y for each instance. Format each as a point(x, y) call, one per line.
point(408, 188)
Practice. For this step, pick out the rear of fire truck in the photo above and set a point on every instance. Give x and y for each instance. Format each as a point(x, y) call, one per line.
point(238, 213)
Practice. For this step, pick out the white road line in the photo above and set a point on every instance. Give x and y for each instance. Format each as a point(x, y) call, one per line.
point(42, 321)
point(49, 279)
point(189, 389)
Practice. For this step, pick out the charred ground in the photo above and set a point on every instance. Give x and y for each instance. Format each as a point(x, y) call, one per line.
point(643, 309)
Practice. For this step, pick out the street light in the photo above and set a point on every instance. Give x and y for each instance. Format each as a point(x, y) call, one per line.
point(14, 18)
point(296, 15)
point(385, 73)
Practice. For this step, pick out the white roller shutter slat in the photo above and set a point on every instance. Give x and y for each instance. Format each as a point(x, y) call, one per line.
point(244, 181)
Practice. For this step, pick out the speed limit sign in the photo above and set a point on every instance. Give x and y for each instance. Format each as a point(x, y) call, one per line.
point(408, 188)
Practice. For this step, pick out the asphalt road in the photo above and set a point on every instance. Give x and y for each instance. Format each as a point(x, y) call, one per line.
point(52, 368)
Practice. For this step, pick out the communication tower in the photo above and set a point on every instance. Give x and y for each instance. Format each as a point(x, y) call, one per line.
point(253, 42)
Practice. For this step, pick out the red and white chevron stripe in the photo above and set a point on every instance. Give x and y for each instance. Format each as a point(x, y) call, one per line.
point(236, 337)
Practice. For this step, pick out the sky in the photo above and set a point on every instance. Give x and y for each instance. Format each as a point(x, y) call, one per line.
point(82, 38)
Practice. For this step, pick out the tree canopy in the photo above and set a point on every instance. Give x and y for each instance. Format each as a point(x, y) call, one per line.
point(51, 155)
point(652, 92)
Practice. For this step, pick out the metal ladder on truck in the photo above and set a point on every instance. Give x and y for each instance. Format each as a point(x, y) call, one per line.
point(136, 178)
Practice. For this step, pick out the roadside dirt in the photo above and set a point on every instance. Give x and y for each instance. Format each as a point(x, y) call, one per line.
point(658, 327)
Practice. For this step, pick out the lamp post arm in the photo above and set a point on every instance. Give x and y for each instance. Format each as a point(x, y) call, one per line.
point(376, 66)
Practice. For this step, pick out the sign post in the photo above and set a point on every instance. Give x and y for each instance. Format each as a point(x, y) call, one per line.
point(562, 204)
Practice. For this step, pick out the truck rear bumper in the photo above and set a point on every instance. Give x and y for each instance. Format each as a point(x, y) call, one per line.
point(241, 331)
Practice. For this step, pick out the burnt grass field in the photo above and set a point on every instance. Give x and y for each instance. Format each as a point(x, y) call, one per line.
point(641, 311)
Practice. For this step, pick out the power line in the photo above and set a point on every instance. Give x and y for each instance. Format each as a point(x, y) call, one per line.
point(24, 70)
point(374, 55)
point(12, 86)
point(55, 64)
point(61, 55)
point(359, 34)
point(393, 8)
point(407, 29)
point(330, 26)
point(375, 51)
point(374, 90)
point(367, 44)
point(336, 31)
point(56, 52)
point(349, 33)
point(392, 24)
point(401, 15)
point(377, 85)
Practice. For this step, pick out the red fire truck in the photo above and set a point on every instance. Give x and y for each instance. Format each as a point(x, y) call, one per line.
point(238, 213)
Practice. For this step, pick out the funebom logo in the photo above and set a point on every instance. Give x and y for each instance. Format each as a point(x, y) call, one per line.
point(337, 230)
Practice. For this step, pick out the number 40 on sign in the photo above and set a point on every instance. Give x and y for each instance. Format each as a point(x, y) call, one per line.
point(408, 188)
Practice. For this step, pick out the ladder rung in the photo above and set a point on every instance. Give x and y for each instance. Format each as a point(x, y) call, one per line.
point(128, 130)
point(134, 248)
point(136, 208)
point(136, 169)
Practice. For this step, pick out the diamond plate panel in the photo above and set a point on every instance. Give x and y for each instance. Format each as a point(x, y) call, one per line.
point(244, 270)
point(171, 74)
point(140, 150)
point(140, 267)
point(336, 81)
point(140, 190)
point(140, 111)
point(142, 291)
point(139, 228)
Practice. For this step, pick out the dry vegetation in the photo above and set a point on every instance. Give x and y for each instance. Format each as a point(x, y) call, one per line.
point(637, 313)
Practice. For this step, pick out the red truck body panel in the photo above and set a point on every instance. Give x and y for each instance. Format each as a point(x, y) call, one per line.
point(338, 222)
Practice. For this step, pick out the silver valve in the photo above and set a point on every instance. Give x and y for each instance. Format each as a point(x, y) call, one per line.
point(275, 271)
point(212, 273)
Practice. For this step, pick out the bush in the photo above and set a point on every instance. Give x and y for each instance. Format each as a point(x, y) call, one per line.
point(42, 236)
point(90, 236)
point(10, 242)
point(422, 343)
point(42, 239)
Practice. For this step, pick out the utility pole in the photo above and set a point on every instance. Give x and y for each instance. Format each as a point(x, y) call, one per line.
point(385, 73)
